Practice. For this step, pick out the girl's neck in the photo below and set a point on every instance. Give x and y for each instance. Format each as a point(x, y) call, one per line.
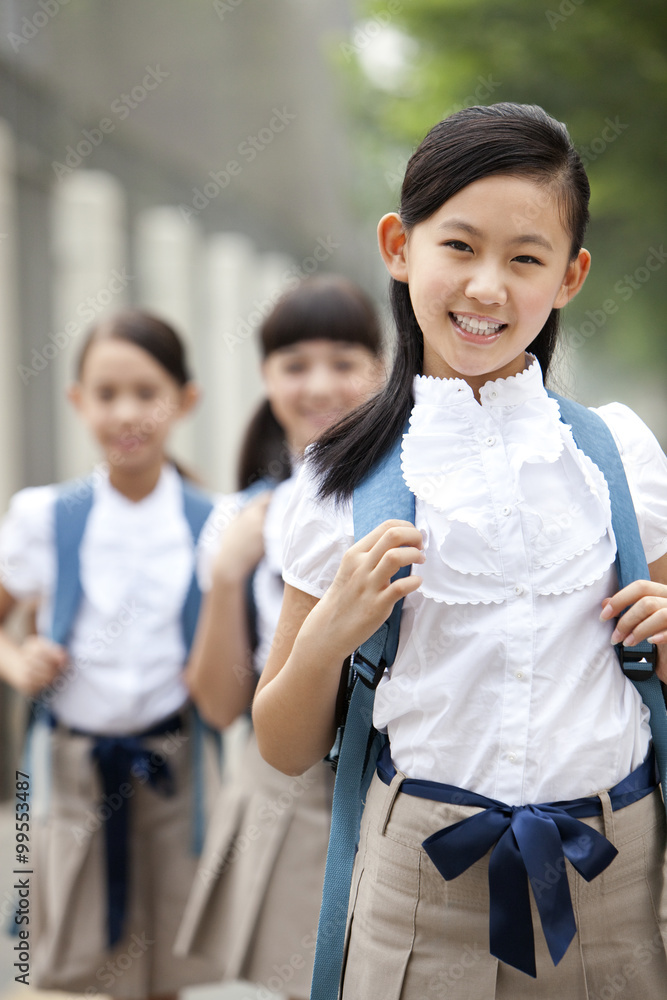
point(436, 367)
point(135, 484)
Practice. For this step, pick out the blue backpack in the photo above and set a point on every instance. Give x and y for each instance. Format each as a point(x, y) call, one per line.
point(383, 495)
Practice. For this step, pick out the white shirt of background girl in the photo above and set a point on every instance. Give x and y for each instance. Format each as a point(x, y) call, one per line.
point(136, 562)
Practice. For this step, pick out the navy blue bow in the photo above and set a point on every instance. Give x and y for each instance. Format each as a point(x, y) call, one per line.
point(531, 844)
point(119, 758)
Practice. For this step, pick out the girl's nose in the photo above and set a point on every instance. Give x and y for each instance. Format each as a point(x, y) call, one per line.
point(127, 409)
point(321, 382)
point(486, 285)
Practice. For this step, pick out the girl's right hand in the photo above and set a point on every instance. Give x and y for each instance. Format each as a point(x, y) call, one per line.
point(38, 663)
point(242, 544)
point(362, 594)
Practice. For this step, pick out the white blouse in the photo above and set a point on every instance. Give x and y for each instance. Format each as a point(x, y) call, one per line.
point(268, 580)
point(505, 681)
point(136, 561)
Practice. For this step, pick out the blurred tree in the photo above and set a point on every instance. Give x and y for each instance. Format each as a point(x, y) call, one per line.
point(598, 65)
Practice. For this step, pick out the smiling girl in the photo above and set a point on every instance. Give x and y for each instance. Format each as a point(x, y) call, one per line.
point(117, 607)
point(255, 902)
point(505, 690)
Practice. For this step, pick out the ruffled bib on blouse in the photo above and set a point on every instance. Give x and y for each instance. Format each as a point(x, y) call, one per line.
point(496, 476)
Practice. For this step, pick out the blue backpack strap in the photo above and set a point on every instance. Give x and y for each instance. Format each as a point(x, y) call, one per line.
point(592, 435)
point(197, 507)
point(72, 507)
point(73, 503)
point(382, 495)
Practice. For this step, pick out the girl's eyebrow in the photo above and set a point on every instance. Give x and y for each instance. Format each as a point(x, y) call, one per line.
point(533, 238)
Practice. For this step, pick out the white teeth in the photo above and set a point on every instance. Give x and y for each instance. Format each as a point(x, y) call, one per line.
point(479, 326)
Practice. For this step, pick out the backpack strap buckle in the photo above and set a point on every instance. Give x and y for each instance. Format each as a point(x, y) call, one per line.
point(638, 662)
point(369, 660)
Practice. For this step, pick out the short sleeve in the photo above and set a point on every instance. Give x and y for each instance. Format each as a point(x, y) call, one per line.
point(27, 557)
point(316, 535)
point(226, 508)
point(645, 466)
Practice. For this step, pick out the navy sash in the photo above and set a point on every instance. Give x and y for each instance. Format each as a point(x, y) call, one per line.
point(528, 845)
point(119, 758)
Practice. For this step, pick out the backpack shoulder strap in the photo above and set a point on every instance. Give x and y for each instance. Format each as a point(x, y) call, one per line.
point(196, 507)
point(592, 435)
point(73, 505)
point(382, 495)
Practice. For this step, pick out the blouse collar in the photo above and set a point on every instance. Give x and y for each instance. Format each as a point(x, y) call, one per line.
point(509, 391)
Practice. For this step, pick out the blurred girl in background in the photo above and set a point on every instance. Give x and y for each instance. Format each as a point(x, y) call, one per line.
point(255, 901)
point(110, 561)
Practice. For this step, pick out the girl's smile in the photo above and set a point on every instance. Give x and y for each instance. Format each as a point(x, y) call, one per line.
point(477, 329)
point(484, 272)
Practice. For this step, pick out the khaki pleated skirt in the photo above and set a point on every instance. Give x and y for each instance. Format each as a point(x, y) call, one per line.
point(69, 897)
point(255, 901)
point(412, 935)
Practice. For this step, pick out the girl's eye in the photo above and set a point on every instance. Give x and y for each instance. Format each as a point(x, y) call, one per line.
point(527, 259)
point(344, 366)
point(146, 393)
point(105, 394)
point(294, 369)
point(457, 245)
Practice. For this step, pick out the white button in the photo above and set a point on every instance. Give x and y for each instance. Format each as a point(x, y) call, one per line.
point(493, 394)
point(519, 590)
point(512, 758)
point(490, 441)
point(507, 511)
point(519, 675)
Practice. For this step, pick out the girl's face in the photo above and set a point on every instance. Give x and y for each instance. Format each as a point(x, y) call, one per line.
point(484, 273)
point(313, 383)
point(129, 402)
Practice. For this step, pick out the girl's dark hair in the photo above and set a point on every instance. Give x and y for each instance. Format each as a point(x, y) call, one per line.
point(146, 331)
point(477, 142)
point(328, 307)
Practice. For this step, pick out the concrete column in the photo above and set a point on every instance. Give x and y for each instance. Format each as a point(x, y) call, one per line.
point(229, 379)
point(90, 280)
point(10, 381)
point(167, 253)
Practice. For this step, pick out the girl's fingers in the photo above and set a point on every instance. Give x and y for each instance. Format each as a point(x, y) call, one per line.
point(613, 606)
point(635, 628)
point(401, 588)
point(388, 535)
point(393, 560)
point(646, 613)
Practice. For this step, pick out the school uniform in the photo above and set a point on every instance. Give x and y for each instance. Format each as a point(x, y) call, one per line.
point(504, 685)
point(255, 900)
point(126, 656)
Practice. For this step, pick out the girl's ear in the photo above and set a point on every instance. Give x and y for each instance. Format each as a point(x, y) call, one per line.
point(74, 395)
point(190, 396)
point(575, 276)
point(392, 241)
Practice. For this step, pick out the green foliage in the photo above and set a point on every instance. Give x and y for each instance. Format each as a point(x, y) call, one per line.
point(589, 63)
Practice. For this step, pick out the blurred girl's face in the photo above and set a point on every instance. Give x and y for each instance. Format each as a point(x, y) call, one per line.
point(129, 402)
point(313, 383)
